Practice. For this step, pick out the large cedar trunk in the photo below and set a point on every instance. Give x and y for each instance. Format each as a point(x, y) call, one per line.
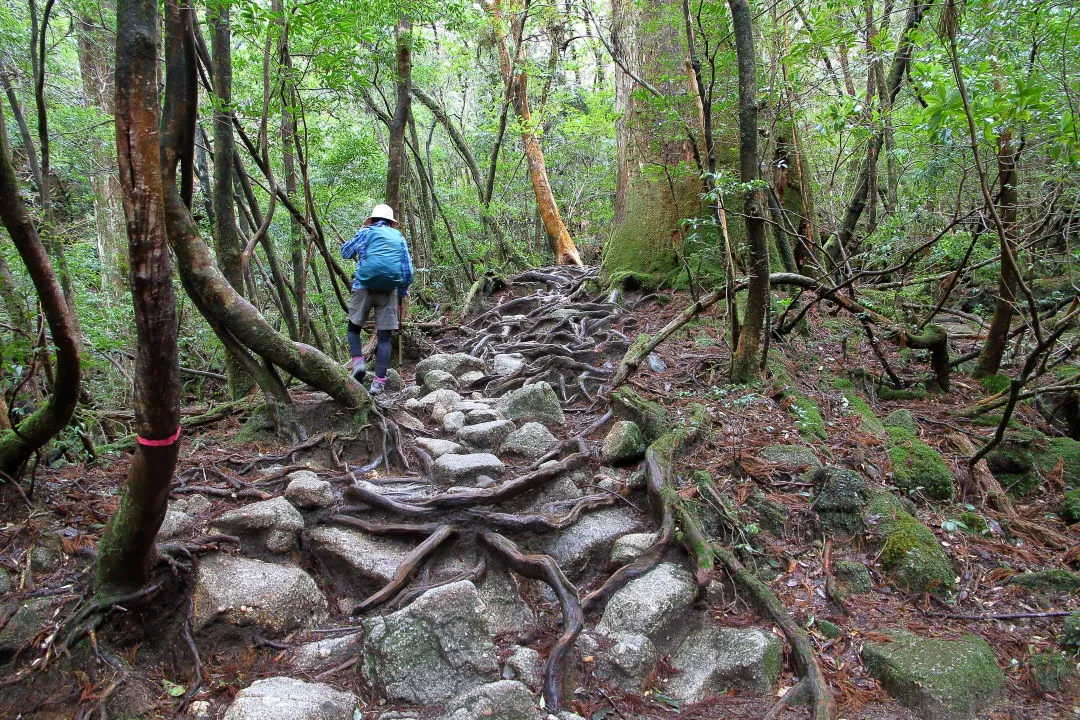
point(744, 362)
point(127, 545)
point(17, 445)
point(516, 81)
point(657, 183)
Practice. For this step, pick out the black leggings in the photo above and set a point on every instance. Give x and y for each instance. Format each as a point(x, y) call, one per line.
point(382, 348)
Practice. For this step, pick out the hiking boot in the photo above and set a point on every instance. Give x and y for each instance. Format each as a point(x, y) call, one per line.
point(359, 372)
point(378, 386)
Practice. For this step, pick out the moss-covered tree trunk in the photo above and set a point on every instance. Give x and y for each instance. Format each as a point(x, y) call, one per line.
point(127, 546)
point(747, 356)
point(227, 243)
point(399, 122)
point(18, 444)
point(657, 181)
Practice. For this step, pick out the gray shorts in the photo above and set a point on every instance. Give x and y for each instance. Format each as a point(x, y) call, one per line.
point(385, 304)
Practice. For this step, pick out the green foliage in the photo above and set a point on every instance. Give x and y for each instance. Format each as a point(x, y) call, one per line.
point(1070, 633)
point(1070, 507)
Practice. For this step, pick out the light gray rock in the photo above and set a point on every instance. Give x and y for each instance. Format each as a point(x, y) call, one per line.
point(629, 662)
point(589, 540)
point(481, 415)
point(532, 440)
point(192, 505)
point(286, 698)
point(5, 582)
point(486, 435)
point(433, 649)
point(713, 660)
point(502, 700)
point(314, 656)
point(355, 562)
point(794, 456)
point(177, 524)
point(467, 379)
point(526, 666)
point(443, 398)
point(437, 447)
point(505, 610)
point(460, 469)
point(413, 393)
point(274, 599)
point(453, 421)
point(273, 524)
point(307, 492)
point(467, 406)
point(655, 363)
point(651, 605)
point(456, 364)
point(624, 443)
point(537, 402)
point(505, 364)
point(394, 381)
point(439, 380)
point(632, 546)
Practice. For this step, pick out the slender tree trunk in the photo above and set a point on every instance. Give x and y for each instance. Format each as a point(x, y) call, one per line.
point(16, 446)
point(745, 360)
point(997, 337)
point(227, 243)
point(396, 161)
point(516, 80)
point(127, 546)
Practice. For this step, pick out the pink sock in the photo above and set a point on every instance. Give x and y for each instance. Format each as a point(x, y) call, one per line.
point(357, 361)
point(379, 379)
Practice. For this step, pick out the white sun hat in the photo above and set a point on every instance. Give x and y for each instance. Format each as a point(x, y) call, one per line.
point(383, 212)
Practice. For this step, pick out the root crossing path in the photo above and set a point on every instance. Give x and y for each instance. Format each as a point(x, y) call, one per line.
point(513, 551)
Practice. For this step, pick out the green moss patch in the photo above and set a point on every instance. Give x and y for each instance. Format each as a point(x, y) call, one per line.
point(1054, 579)
point(1053, 671)
point(870, 423)
point(919, 467)
point(793, 456)
point(1070, 633)
point(902, 419)
point(887, 393)
point(995, 384)
point(841, 500)
point(1063, 453)
point(650, 416)
point(910, 552)
point(855, 576)
point(807, 416)
point(1070, 507)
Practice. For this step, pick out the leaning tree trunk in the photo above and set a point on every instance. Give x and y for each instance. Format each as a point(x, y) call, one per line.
point(18, 444)
point(395, 163)
point(232, 317)
point(227, 243)
point(127, 546)
point(516, 81)
point(744, 363)
point(997, 337)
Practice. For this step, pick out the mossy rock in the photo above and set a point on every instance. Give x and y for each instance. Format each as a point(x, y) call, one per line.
point(807, 416)
point(917, 466)
point(1012, 463)
point(1070, 507)
point(938, 679)
point(650, 416)
point(842, 499)
point(793, 456)
point(829, 629)
point(910, 552)
point(771, 515)
point(1070, 633)
point(995, 384)
point(887, 393)
point(1053, 579)
point(1063, 452)
point(870, 423)
point(855, 576)
point(1055, 672)
point(903, 419)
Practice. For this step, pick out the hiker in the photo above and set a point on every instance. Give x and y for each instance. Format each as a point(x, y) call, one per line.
point(381, 282)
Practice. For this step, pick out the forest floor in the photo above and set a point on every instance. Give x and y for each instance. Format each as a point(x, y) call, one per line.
point(47, 547)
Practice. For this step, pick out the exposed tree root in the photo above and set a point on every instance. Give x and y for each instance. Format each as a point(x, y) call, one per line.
point(473, 575)
point(405, 570)
point(551, 519)
point(545, 569)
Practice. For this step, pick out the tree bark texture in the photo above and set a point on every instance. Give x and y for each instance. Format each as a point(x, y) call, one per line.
point(657, 183)
point(17, 445)
point(516, 81)
point(744, 362)
point(227, 242)
point(127, 545)
point(997, 337)
point(399, 121)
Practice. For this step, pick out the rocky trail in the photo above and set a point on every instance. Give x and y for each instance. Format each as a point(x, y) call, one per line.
point(508, 540)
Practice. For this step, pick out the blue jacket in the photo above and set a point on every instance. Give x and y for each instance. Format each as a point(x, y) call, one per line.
point(354, 250)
